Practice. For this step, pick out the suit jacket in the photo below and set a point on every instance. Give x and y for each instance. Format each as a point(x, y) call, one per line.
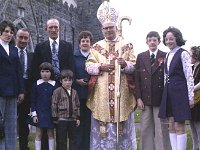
point(24, 107)
point(29, 60)
point(150, 79)
point(11, 80)
point(43, 53)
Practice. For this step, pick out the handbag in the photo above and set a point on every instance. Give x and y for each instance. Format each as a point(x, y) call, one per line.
point(196, 97)
point(2, 131)
point(30, 120)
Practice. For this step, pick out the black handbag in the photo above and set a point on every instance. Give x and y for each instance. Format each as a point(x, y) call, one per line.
point(2, 131)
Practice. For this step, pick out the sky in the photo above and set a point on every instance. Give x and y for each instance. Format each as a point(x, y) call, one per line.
point(158, 15)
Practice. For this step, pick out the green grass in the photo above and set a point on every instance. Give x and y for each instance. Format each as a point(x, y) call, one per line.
point(31, 142)
point(188, 131)
point(137, 120)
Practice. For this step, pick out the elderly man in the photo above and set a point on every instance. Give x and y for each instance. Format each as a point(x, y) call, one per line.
point(55, 51)
point(102, 64)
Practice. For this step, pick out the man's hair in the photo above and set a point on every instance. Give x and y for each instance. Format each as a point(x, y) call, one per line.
point(195, 52)
point(85, 34)
point(153, 34)
point(177, 34)
point(6, 23)
point(66, 74)
point(52, 19)
point(24, 29)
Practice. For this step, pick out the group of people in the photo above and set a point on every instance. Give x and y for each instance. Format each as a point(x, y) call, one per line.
point(89, 96)
point(42, 82)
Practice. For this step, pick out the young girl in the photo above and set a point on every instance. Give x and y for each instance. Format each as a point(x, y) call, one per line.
point(178, 92)
point(41, 105)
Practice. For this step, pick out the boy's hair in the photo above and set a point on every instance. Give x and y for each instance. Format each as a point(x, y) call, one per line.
point(153, 34)
point(46, 66)
point(66, 74)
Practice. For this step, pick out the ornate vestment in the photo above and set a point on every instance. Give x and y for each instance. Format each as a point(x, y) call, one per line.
point(102, 100)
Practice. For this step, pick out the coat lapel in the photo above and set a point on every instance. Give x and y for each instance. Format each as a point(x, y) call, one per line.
point(28, 58)
point(3, 52)
point(146, 61)
point(48, 50)
point(159, 60)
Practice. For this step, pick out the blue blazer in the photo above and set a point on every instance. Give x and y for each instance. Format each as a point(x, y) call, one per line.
point(80, 73)
point(11, 80)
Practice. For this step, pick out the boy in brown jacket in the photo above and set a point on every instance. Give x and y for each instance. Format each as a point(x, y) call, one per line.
point(66, 111)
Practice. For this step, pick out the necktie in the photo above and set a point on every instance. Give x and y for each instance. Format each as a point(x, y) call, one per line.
point(54, 47)
point(55, 61)
point(152, 58)
point(22, 61)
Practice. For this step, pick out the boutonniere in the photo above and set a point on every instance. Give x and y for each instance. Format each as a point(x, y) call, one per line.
point(160, 60)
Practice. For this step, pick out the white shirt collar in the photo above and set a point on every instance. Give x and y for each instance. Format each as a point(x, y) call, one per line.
point(85, 53)
point(20, 49)
point(40, 81)
point(69, 91)
point(3, 43)
point(155, 52)
point(5, 46)
point(175, 49)
point(51, 41)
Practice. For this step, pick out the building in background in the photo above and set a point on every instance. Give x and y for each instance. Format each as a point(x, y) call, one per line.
point(73, 15)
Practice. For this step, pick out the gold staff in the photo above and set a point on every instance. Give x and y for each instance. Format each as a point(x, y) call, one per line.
point(119, 75)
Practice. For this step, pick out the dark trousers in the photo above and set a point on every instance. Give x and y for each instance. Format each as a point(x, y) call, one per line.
point(23, 126)
point(44, 140)
point(83, 131)
point(23, 110)
point(67, 130)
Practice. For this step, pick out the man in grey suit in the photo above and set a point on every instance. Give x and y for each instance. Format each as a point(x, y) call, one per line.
point(149, 88)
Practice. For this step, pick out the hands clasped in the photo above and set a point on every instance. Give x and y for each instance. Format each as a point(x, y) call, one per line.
point(111, 67)
point(107, 67)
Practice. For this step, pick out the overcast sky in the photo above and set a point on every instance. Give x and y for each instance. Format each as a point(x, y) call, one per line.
point(158, 15)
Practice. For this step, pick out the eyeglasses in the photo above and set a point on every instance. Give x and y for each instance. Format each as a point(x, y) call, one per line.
point(110, 28)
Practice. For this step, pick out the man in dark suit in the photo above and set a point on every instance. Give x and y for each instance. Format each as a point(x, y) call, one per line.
point(25, 55)
point(44, 52)
point(55, 51)
point(149, 88)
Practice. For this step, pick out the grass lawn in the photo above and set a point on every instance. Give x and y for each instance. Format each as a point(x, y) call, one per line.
point(137, 120)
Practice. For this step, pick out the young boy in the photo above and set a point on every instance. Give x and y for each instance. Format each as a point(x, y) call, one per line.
point(149, 88)
point(66, 111)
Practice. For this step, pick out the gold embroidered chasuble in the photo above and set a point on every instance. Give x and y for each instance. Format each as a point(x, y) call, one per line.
point(102, 100)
